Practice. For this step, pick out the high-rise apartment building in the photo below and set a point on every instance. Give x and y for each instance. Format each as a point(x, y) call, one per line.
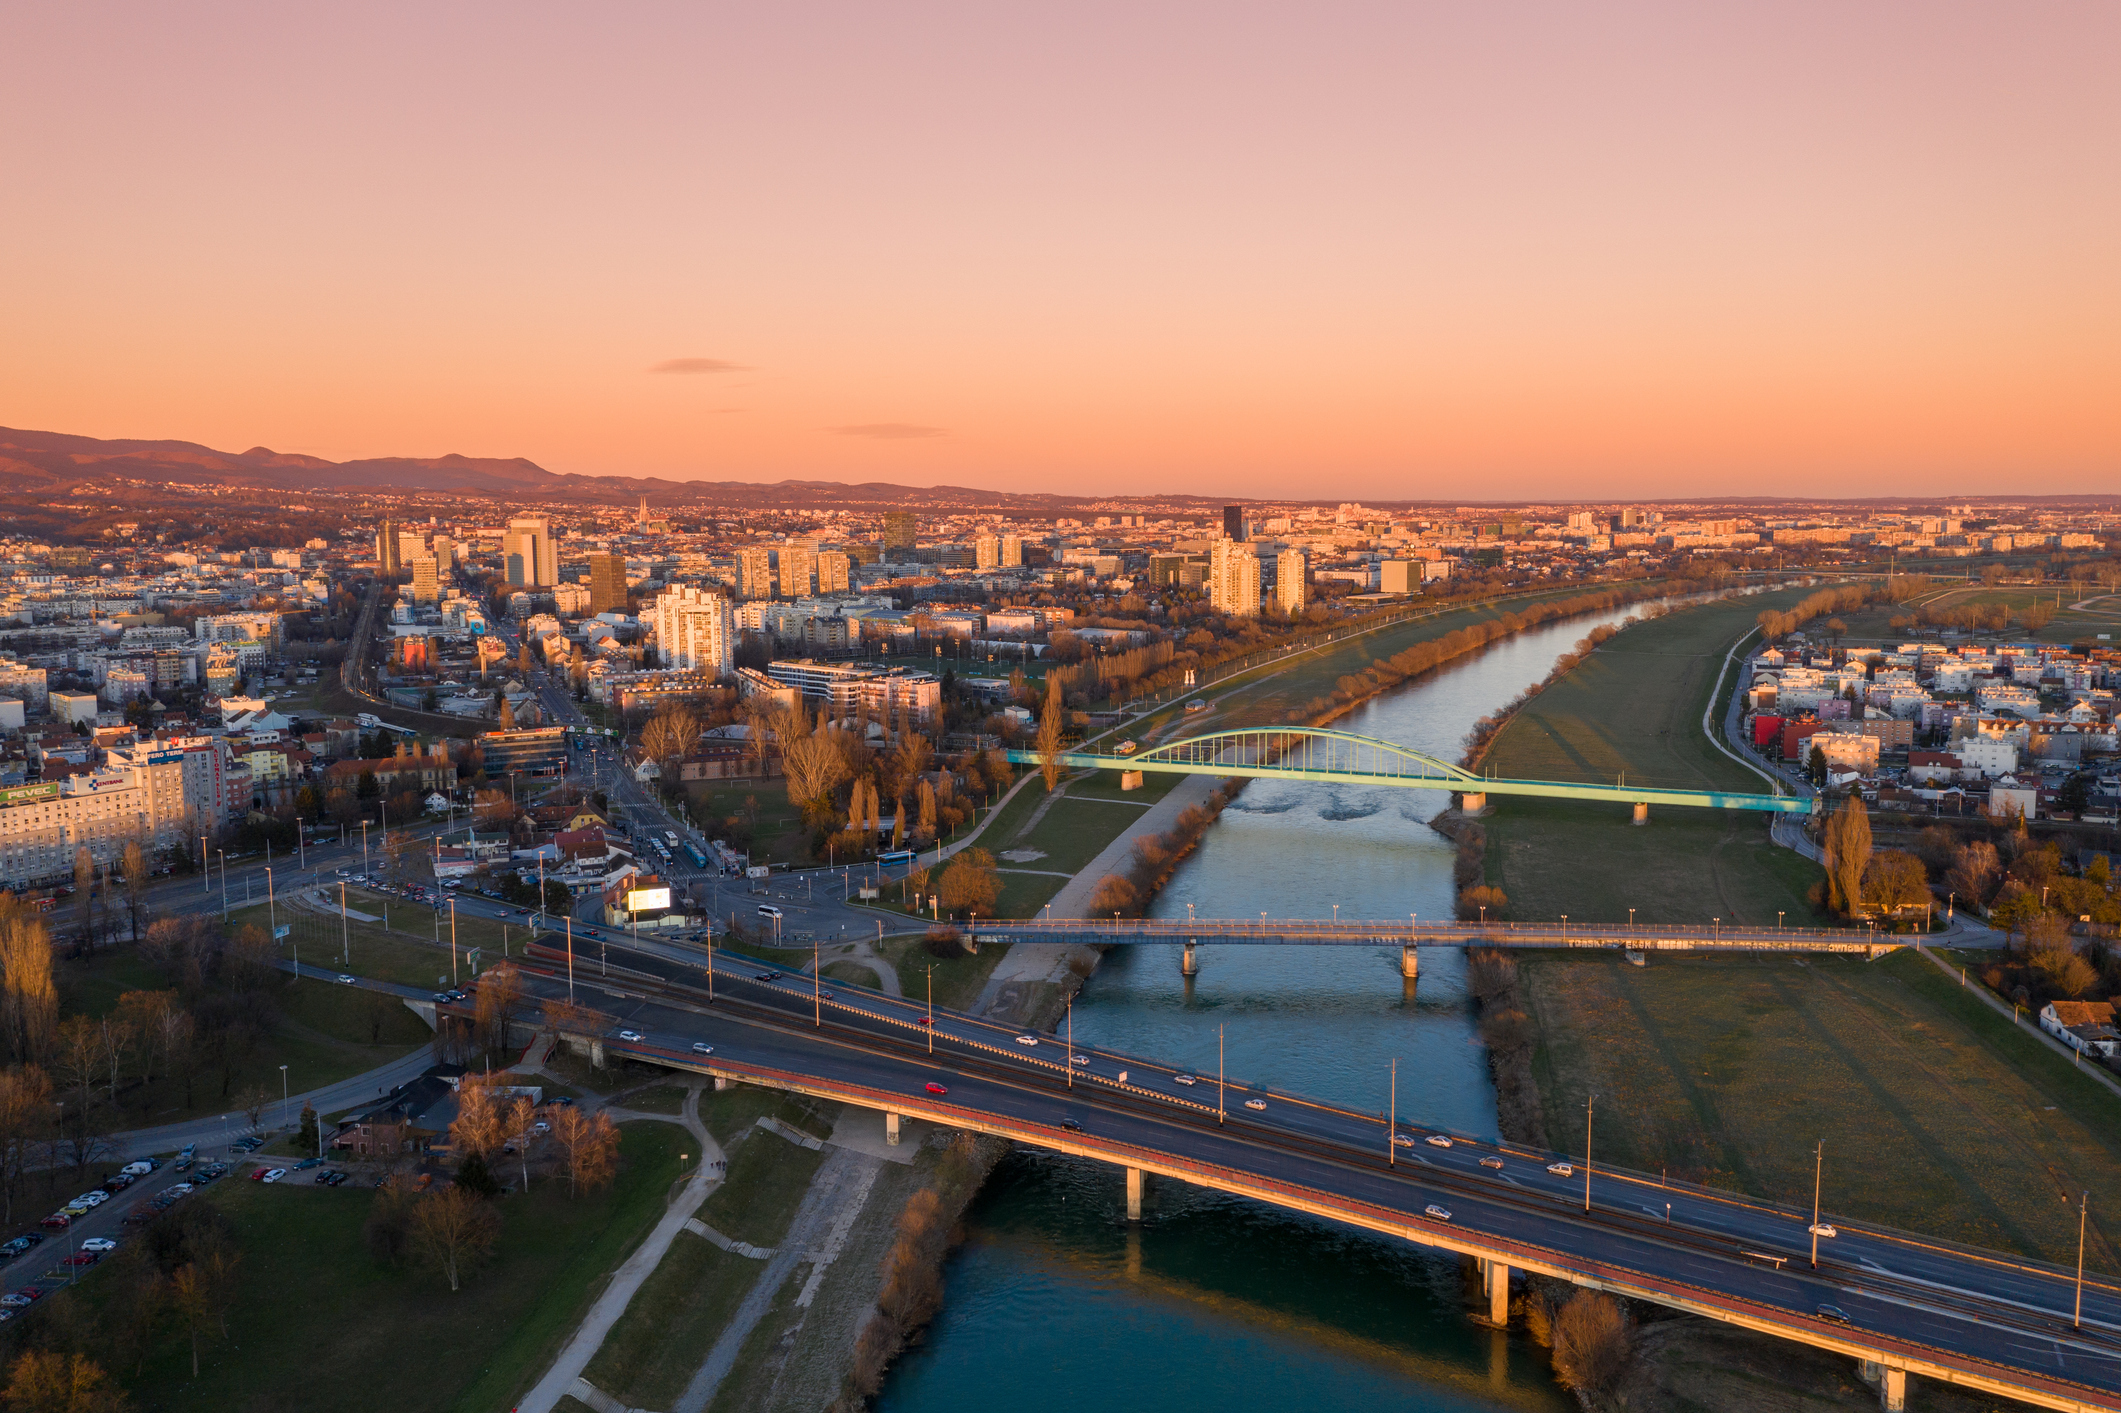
point(425, 586)
point(445, 552)
point(899, 531)
point(1234, 522)
point(754, 572)
point(797, 564)
point(986, 551)
point(1291, 573)
point(1233, 577)
point(387, 548)
point(410, 543)
point(834, 572)
point(530, 553)
point(1012, 551)
point(695, 630)
point(607, 583)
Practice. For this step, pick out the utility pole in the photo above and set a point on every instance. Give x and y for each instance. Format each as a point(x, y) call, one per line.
point(1392, 1121)
point(1218, 1074)
point(2083, 1211)
point(1588, 1104)
point(1818, 1168)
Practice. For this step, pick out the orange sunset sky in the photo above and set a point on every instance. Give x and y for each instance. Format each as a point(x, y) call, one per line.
point(1384, 250)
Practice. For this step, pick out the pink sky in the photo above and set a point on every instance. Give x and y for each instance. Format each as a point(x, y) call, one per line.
point(1387, 250)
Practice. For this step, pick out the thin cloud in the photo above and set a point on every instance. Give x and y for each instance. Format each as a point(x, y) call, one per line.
point(888, 431)
point(698, 365)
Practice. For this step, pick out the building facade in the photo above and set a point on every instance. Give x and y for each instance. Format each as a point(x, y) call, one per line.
point(607, 583)
point(1233, 578)
point(1292, 570)
point(530, 553)
point(695, 630)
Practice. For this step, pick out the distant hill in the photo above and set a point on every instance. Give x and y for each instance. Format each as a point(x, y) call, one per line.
point(54, 463)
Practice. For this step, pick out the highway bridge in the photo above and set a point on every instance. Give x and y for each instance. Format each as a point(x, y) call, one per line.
point(1903, 1305)
point(1409, 937)
point(1343, 758)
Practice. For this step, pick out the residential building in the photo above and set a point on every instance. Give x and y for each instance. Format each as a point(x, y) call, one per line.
point(529, 552)
point(986, 551)
point(607, 583)
point(754, 572)
point(1291, 570)
point(797, 566)
point(536, 750)
point(387, 547)
point(41, 826)
point(1233, 577)
point(857, 686)
point(27, 683)
point(426, 587)
point(695, 630)
point(834, 571)
point(1012, 551)
point(2085, 1026)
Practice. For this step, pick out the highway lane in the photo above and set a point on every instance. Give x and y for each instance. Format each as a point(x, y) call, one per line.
point(872, 1041)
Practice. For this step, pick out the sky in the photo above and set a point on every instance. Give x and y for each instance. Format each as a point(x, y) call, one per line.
point(1394, 250)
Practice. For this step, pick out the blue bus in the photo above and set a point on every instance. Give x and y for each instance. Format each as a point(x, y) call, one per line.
point(894, 856)
point(692, 851)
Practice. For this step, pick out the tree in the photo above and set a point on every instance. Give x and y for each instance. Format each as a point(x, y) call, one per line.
point(670, 735)
point(25, 1107)
point(201, 1289)
point(41, 1382)
point(1848, 849)
point(1974, 870)
point(1591, 1342)
point(507, 723)
point(134, 862)
point(477, 1129)
point(84, 893)
point(1894, 880)
point(29, 1001)
point(453, 1231)
point(812, 760)
point(970, 884)
point(1049, 733)
point(2016, 907)
point(311, 1140)
point(499, 997)
point(589, 1147)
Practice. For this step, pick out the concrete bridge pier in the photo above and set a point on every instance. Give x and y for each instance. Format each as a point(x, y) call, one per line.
point(1495, 1281)
point(1134, 1194)
point(1642, 812)
point(1410, 962)
point(1891, 1384)
point(1189, 963)
point(1472, 803)
point(596, 1053)
point(722, 1082)
point(891, 1129)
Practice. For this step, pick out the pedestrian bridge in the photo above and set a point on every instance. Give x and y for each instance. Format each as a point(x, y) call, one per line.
point(1342, 758)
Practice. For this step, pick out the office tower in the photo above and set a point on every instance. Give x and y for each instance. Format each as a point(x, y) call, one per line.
point(899, 530)
point(387, 548)
point(1234, 522)
point(425, 589)
point(695, 630)
point(1012, 551)
point(754, 572)
point(410, 544)
point(833, 571)
point(530, 552)
point(986, 551)
point(1233, 578)
point(1291, 569)
point(607, 583)
point(445, 553)
point(796, 565)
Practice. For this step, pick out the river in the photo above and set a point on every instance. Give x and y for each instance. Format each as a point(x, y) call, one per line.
point(1056, 1302)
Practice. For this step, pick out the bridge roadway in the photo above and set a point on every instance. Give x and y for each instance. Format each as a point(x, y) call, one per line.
point(1916, 1306)
point(1374, 932)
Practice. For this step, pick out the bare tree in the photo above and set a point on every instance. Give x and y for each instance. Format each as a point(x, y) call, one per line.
point(29, 1001)
point(135, 865)
point(589, 1146)
point(452, 1232)
point(1049, 734)
point(670, 735)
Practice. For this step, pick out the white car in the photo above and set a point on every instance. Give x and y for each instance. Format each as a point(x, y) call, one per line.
point(633, 1035)
point(1437, 1140)
point(1078, 1059)
point(1188, 1080)
point(1495, 1163)
point(99, 1243)
point(1562, 1169)
point(1255, 1103)
point(701, 1047)
point(345, 980)
point(1400, 1140)
point(1822, 1229)
point(1441, 1214)
point(1027, 1041)
point(93, 1199)
point(274, 1176)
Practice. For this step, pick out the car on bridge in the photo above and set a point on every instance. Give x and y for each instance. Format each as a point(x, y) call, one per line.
point(1437, 1140)
point(631, 1035)
point(1255, 1104)
point(1495, 1163)
point(701, 1047)
point(1027, 1041)
point(1562, 1169)
point(934, 1088)
point(1834, 1315)
point(1441, 1214)
point(1400, 1140)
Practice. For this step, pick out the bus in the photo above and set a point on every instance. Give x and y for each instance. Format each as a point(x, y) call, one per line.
point(894, 856)
point(692, 851)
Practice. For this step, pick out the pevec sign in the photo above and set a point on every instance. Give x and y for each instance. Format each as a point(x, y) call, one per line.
point(642, 900)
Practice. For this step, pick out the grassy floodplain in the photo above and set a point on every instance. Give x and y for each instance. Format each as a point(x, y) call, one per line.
point(1632, 711)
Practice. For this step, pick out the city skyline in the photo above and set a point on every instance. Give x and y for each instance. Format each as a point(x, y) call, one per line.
point(1393, 254)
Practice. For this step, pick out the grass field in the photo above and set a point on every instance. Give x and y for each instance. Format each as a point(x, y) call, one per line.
point(1633, 710)
point(1936, 1116)
point(318, 1324)
point(321, 1032)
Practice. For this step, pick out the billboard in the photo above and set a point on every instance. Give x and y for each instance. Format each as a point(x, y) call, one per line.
point(642, 900)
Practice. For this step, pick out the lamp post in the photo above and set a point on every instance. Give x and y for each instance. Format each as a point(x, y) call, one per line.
point(283, 1096)
point(1589, 1103)
point(1392, 1121)
point(272, 918)
point(570, 959)
point(453, 978)
point(1218, 1074)
point(931, 1008)
point(2083, 1210)
point(224, 883)
point(345, 947)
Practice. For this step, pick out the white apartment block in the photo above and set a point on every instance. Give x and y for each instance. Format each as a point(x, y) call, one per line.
point(1291, 569)
point(41, 826)
point(695, 630)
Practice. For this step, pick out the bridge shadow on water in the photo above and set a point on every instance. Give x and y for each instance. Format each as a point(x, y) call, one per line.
point(1210, 1302)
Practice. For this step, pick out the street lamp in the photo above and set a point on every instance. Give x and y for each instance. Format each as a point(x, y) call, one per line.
point(1818, 1168)
point(2083, 1210)
point(1589, 1102)
point(283, 1096)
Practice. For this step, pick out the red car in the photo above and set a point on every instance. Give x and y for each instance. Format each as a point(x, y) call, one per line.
point(934, 1088)
point(82, 1258)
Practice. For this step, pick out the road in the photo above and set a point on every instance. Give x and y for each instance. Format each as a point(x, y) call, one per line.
point(1928, 1303)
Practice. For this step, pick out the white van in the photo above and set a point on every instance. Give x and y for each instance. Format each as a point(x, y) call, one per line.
point(768, 910)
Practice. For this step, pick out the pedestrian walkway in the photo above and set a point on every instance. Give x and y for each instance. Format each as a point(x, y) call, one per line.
point(561, 1379)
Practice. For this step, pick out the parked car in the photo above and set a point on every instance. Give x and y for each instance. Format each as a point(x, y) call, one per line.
point(57, 1221)
point(268, 1175)
point(307, 1163)
point(99, 1243)
point(17, 1299)
point(118, 1182)
point(81, 1258)
point(15, 1248)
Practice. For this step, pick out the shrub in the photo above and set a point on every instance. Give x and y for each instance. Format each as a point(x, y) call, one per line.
point(1591, 1342)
